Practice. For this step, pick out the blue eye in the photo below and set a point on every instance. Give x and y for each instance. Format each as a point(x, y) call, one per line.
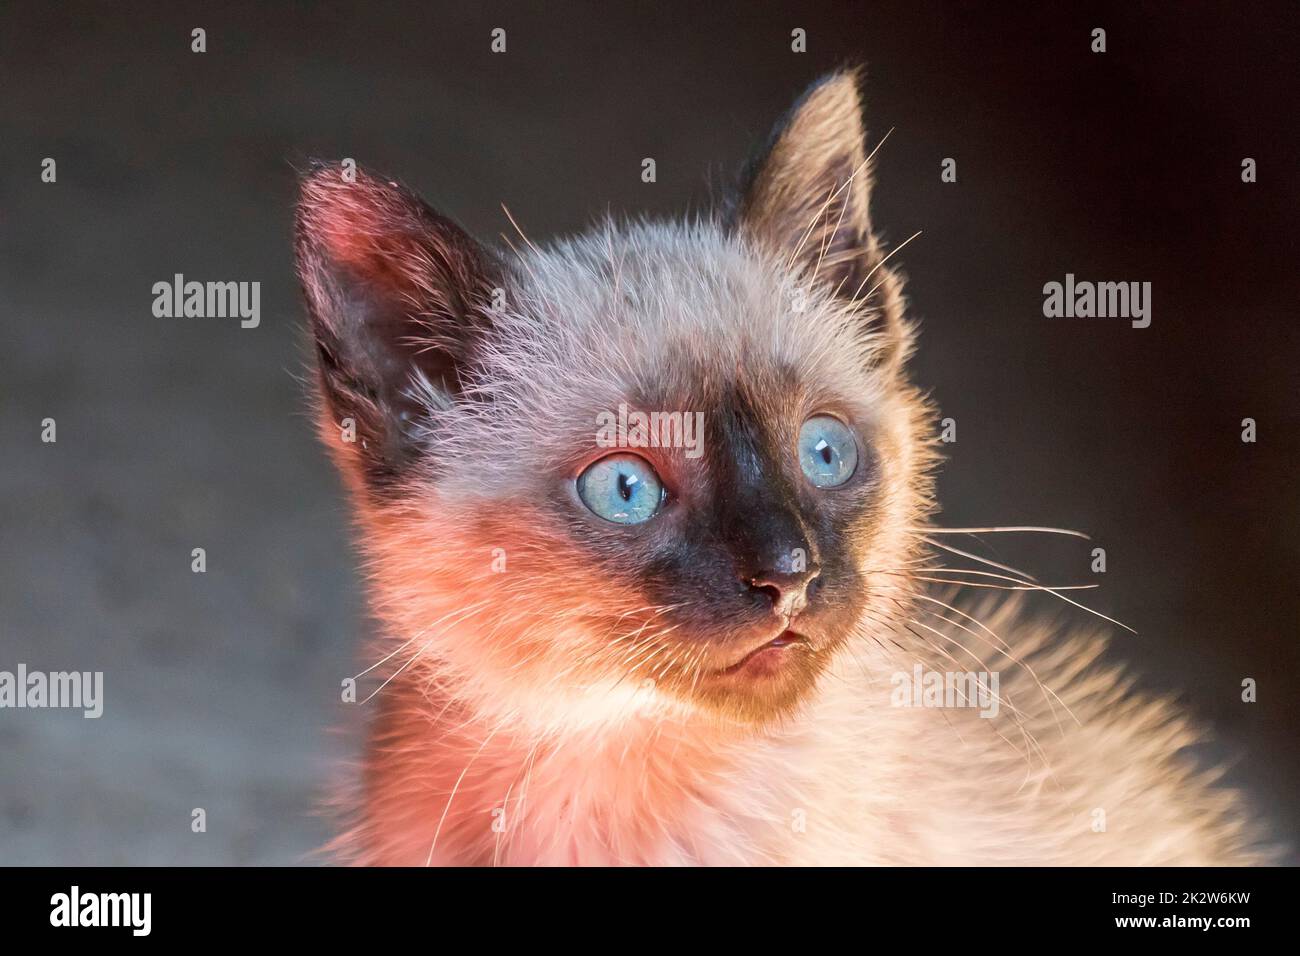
point(621, 488)
point(828, 452)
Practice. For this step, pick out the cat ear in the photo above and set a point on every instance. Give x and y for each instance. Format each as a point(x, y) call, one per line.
point(805, 198)
point(397, 296)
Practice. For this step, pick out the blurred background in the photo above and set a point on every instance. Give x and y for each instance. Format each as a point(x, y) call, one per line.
point(222, 688)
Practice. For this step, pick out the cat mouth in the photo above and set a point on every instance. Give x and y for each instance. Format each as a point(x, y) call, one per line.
point(767, 659)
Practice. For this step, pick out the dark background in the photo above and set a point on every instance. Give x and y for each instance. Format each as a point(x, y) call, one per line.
point(183, 433)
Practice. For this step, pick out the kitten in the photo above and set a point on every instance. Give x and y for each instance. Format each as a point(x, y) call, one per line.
point(641, 654)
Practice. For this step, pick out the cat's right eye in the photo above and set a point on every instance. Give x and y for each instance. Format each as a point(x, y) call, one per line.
point(621, 488)
point(828, 452)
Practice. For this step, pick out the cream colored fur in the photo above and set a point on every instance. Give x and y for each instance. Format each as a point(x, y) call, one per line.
point(520, 726)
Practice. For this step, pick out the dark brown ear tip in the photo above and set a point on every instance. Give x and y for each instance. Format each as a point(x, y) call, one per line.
point(317, 186)
point(320, 180)
point(346, 212)
point(318, 174)
point(328, 181)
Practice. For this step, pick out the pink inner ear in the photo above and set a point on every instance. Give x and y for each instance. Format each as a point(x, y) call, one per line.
point(368, 227)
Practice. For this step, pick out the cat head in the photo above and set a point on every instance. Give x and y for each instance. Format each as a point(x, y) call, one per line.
point(654, 466)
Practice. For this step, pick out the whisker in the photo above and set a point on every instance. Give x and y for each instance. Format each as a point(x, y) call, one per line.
point(1008, 587)
point(1005, 649)
point(982, 560)
point(888, 256)
point(463, 614)
point(455, 788)
point(1005, 528)
point(1002, 645)
point(829, 199)
point(1031, 742)
point(518, 230)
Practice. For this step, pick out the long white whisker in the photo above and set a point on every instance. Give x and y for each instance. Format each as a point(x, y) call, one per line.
point(990, 530)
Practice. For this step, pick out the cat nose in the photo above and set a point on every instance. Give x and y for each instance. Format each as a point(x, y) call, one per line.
point(789, 591)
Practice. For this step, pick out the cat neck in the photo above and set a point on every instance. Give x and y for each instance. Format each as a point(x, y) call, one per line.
point(446, 786)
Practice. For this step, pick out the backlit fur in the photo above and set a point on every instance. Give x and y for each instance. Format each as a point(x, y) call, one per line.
point(549, 712)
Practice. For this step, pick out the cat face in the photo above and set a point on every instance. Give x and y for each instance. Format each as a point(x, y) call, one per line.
point(653, 466)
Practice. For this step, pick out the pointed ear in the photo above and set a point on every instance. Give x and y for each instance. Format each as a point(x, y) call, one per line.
point(397, 296)
point(805, 198)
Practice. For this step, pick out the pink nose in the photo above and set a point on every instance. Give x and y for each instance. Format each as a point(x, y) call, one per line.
point(788, 590)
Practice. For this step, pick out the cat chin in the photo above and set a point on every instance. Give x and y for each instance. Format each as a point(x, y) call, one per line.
point(767, 686)
point(763, 692)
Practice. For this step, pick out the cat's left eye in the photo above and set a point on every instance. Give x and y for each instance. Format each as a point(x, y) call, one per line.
point(828, 452)
point(621, 488)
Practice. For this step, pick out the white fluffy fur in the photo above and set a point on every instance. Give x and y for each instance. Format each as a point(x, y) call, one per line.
point(520, 727)
point(585, 766)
